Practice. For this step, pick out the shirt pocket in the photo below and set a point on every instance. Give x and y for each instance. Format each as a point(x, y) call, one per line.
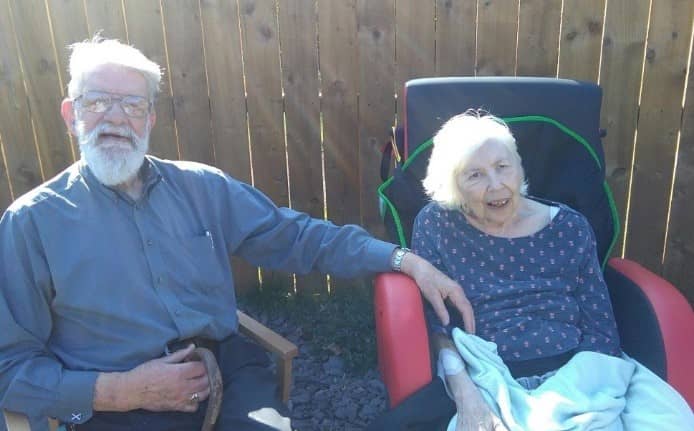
point(196, 264)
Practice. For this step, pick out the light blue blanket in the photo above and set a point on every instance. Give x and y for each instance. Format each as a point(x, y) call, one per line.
point(591, 392)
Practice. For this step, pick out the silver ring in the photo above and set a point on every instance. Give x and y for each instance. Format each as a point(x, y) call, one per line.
point(195, 397)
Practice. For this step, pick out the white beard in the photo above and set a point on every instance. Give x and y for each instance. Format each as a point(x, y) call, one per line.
point(112, 166)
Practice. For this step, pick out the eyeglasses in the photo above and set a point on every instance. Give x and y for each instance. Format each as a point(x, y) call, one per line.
point(100, 102)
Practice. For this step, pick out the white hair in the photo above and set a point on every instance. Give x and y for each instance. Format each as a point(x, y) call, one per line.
point(454, 144)
point(89, 55)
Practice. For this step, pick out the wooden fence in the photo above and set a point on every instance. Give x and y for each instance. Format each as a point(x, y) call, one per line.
point(296, 96)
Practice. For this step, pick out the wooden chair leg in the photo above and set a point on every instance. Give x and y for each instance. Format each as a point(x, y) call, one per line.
point(283, 350)
point(284, 371)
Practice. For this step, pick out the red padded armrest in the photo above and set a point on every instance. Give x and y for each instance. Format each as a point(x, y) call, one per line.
point(403, 343)
point(675, 318)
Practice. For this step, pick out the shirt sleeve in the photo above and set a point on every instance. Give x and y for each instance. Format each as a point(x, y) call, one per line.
point(284, 239)
point(32, 380)
point(424, 231)
point(597, 323)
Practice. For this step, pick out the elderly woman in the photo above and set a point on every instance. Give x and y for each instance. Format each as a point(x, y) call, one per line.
point(529, 267)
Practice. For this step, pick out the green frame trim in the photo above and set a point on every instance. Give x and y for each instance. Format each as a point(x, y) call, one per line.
point(509, 120)
point(380, 191)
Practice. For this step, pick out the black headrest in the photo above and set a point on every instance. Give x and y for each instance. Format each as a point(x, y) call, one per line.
point(429, 102)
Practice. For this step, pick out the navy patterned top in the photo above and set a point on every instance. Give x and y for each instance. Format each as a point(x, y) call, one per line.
point(534, 296)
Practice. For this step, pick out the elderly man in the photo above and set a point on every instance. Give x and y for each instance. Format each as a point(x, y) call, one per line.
point(109, 270)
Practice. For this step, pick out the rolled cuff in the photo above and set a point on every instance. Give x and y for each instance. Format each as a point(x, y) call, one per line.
point(75, 397)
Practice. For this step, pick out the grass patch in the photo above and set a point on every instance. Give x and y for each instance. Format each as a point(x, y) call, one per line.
point(340, 323)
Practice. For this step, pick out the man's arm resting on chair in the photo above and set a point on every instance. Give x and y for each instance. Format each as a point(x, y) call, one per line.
point(436, 287)
point(473, 411)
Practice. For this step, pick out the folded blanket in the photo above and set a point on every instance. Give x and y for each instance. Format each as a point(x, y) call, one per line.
point(592, 391)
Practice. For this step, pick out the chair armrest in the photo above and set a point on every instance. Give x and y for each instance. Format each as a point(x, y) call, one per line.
point(675, 320)
point(16, 421)
point(401, 333)
point(283, 349)
point(19, 422)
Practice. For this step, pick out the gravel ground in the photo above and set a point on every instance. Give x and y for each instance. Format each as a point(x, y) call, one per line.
point(325, 395)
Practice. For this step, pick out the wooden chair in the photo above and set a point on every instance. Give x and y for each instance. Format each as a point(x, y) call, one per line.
point(282, 349)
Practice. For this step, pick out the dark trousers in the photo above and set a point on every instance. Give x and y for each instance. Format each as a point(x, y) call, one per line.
point(250, 391)
point(428, 409)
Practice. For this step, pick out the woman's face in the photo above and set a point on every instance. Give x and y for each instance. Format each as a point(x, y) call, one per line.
point(490, 185)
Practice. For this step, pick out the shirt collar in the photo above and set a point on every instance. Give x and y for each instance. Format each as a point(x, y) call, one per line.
point(150, 172)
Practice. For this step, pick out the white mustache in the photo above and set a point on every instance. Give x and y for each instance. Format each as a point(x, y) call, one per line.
point(123, 131)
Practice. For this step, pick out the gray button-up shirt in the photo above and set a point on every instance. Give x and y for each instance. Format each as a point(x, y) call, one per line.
point(92, 281)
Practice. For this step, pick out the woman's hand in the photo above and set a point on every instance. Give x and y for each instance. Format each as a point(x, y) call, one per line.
point(436, 287)
point(474, 414)
point(477, 416)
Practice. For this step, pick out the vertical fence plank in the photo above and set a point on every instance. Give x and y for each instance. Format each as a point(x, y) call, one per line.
point(415, 46)
point(581, 38)
point(299, 43)
point(227, 98)
point(265, 110)
point(21, 159)
point(340, 74)
point(145, 32)
point(337, 27)
point(41, 77)
point(620, 77)
point(69, 26)
point(5, 192)
point(680, 240)
point(659, 121)
point(69, 23)
point(538, 37)
point(228, 104)
point(106, 16)
point(456, 33)
point(187, 72)
point(497, 29)
point(265, 105)
point(376, 36)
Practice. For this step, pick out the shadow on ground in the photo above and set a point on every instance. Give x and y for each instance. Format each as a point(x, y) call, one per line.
point(336, 385)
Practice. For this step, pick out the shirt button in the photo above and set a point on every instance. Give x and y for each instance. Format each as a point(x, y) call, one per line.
point(150, 242)
point(160, 279)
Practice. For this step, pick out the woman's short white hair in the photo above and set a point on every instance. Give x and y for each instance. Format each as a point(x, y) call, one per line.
point(88, 55)
point(454, 144)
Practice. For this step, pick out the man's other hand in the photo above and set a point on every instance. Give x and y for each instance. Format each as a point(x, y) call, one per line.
point(163, 384)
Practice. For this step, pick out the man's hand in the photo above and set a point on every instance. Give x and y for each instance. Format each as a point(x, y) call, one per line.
point(436, 287)
point(163, 384)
